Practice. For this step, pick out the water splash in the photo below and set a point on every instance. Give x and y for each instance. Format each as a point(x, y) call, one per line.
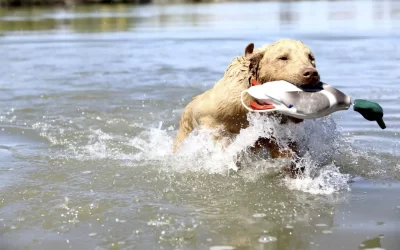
point(318, 141)
point(323, 150)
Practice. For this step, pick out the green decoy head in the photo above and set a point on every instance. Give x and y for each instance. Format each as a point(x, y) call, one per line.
point(371, 111)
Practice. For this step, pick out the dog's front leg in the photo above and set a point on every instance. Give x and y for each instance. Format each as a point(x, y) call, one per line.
point(266, 144)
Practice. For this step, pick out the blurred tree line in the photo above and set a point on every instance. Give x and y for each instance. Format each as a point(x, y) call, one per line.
point(16, 3)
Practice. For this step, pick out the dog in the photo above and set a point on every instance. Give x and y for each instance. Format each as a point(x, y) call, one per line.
point(220, 107)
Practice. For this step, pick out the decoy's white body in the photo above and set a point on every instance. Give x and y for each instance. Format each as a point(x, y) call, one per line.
point(298, 102)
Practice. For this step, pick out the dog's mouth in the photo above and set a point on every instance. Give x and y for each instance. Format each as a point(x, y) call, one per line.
point(303, 86)
point(266, 104)
point(311, 86)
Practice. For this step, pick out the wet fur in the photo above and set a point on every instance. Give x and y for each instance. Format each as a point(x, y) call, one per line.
point(220, 107)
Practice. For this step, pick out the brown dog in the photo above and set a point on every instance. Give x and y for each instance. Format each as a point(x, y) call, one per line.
point(220, 107)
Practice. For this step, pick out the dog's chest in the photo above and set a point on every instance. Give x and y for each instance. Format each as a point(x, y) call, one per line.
point(235, 123)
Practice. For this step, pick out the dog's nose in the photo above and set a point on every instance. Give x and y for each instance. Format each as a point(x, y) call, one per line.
point(311, 75)
point(310, 72)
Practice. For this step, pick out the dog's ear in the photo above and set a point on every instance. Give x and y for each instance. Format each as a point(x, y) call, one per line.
point(254, 62)
point(248, 51)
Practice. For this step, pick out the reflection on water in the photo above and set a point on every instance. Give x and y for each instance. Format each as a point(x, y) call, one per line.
point(307, 16)
point(102, 23)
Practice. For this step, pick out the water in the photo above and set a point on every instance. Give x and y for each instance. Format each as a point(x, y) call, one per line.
point(89, 106)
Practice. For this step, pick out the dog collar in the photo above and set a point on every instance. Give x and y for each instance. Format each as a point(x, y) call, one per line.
point(254, 82)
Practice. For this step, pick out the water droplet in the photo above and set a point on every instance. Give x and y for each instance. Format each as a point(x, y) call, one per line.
point(260, 215)
point(92, 234)
point(327, 232)
point(267, 239)
point(321, 225)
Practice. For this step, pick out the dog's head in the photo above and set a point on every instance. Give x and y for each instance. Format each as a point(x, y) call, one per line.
point(286, 59)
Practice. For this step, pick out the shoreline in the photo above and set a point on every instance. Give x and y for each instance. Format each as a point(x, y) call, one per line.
point(72, 3)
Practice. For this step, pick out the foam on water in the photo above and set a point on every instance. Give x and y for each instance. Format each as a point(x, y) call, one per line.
point(267, 239)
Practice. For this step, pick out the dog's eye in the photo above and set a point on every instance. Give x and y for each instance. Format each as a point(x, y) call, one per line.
point(283, 58)
point(311, 57)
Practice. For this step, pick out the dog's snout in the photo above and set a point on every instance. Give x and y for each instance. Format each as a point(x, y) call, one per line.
point(310, 72)
point(311, 75)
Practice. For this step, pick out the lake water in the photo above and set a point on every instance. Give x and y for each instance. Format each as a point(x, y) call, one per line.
point(89, 105)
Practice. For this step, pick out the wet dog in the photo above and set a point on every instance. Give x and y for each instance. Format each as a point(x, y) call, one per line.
point(220, 107)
